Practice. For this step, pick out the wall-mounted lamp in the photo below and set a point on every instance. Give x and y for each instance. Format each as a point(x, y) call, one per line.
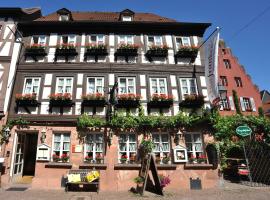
point(110, 136)
point(43, 135)
point(6, 133)
point(179, 136)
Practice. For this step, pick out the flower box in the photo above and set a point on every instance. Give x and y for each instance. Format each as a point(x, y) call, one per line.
point(157, 51)
point(187, 52)
point(160, 100)
point(127, 50)
point(26, 100)
point(35, 51)
point(192, 101)
point(65, 50)
point(96, 100)
point(128, 100)
point(96, 50)
point(61, 100)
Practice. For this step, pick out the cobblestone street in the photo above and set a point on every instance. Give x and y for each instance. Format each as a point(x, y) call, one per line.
point(229, 191)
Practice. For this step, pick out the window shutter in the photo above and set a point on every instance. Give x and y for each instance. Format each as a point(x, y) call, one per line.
point(253, 104)
point(231, 103)
point(242, 104)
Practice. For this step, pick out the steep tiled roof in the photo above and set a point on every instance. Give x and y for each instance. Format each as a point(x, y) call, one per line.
point(107, 16)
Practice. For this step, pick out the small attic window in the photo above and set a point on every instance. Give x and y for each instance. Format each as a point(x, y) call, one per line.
point(63, 17)
point(126, 18)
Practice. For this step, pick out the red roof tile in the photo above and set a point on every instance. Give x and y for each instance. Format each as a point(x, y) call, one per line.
point(107, 16)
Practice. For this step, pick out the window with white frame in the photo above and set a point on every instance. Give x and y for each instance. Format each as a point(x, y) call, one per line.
point(126, 39)
point(247, 104)
point(188, 86)
point(182, 41)
point(127, 145)
point(154, 40)
point(161, 144)
point(95, 85)
point(225, 103)
point(94, 145)
point(61, 144)
point(31, 85)
point(194, 144)
point(64, 85)
point(39, 40)
point(126, 18)
point(63, 17)
point(158, 86)
point(97, 39)
point(126, 85)
point(68, 39)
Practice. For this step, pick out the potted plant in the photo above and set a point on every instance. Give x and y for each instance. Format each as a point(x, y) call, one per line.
point(99, 159)
point(35, 50)
point(202, 159)
point(192, 159)
point(88, 159)
point(26, 99)
point(56, 158)
point(192, 101)
point(127, 50)
point(161, 100)
point(123, 159)
point(164, 180)
point(95, 49)
point(146, 147)
point(158, 159)
point(132, 158)
point(66, 50)
point(157, 51)
point(65, 158)
point(60, 99)
point(139, 181)
point(93, 99)
point(166, 160)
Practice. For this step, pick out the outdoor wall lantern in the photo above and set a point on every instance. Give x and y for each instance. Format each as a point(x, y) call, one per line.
point(6, 133)
point(179, 136)
point(43, 135)
point(110, 136)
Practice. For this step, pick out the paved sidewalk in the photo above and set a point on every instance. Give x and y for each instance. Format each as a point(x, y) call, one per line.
point(229, 191)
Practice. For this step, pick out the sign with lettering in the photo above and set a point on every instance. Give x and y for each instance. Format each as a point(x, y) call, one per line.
point(243, 131)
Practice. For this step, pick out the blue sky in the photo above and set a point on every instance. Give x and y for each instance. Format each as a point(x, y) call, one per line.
point(251, 46)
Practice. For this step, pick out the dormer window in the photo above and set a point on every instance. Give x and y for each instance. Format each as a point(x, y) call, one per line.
point(126, 18)
point(63, 17)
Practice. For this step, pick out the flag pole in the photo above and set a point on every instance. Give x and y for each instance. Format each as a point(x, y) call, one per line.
point(217, 29)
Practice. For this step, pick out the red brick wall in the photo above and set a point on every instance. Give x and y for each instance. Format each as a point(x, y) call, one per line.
point(248, 90)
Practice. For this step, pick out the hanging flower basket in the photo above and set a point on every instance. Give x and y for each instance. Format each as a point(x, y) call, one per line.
point(160, 100)
point(192, 101)
point(128, 100)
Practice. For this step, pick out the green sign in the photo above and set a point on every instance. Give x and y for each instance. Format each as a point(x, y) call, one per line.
point(243, 131)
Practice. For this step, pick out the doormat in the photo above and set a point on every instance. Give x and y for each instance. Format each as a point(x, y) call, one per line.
point(17, 189)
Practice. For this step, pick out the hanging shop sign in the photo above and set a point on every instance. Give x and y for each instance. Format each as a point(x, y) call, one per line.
point(243, 131)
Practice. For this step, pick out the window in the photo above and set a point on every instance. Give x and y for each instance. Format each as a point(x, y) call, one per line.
point(39, 40)
point(238, 81)
point(224, 80)
point(94, 145)
point(97, 39)
point(95, 85)
point(161, 145)
point(158, 86)
point(64, 85)
point(63, 17)
point(126, 18)
point(68, 39)
point(188, 86)
point(182, 41)
point(225, 104)
point(154, 40)
point(247, 104)
point(127, 85)
point(127, 145)
point(61, 144)
point(31, 86)
point(125, 39)
point(227, 63)
point(194, 144)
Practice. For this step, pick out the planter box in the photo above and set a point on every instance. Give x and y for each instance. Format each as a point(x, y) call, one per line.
point(34, 52)
point(128, 103)
point(61, 103)
point(30, 103)
point(191, 104)
point(66, 52)
point(126, 52)
point(95, 103)
point(161, 53)
point(160, 104)
point(96, 52)
point(187, 54)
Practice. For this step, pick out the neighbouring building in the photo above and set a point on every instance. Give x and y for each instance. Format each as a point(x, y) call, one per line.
point(233, 76)
point(265, 96)
point(70, 57)
point(9, 50)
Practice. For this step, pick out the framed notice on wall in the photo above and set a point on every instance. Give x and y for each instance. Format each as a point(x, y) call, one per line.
point(180, 154)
